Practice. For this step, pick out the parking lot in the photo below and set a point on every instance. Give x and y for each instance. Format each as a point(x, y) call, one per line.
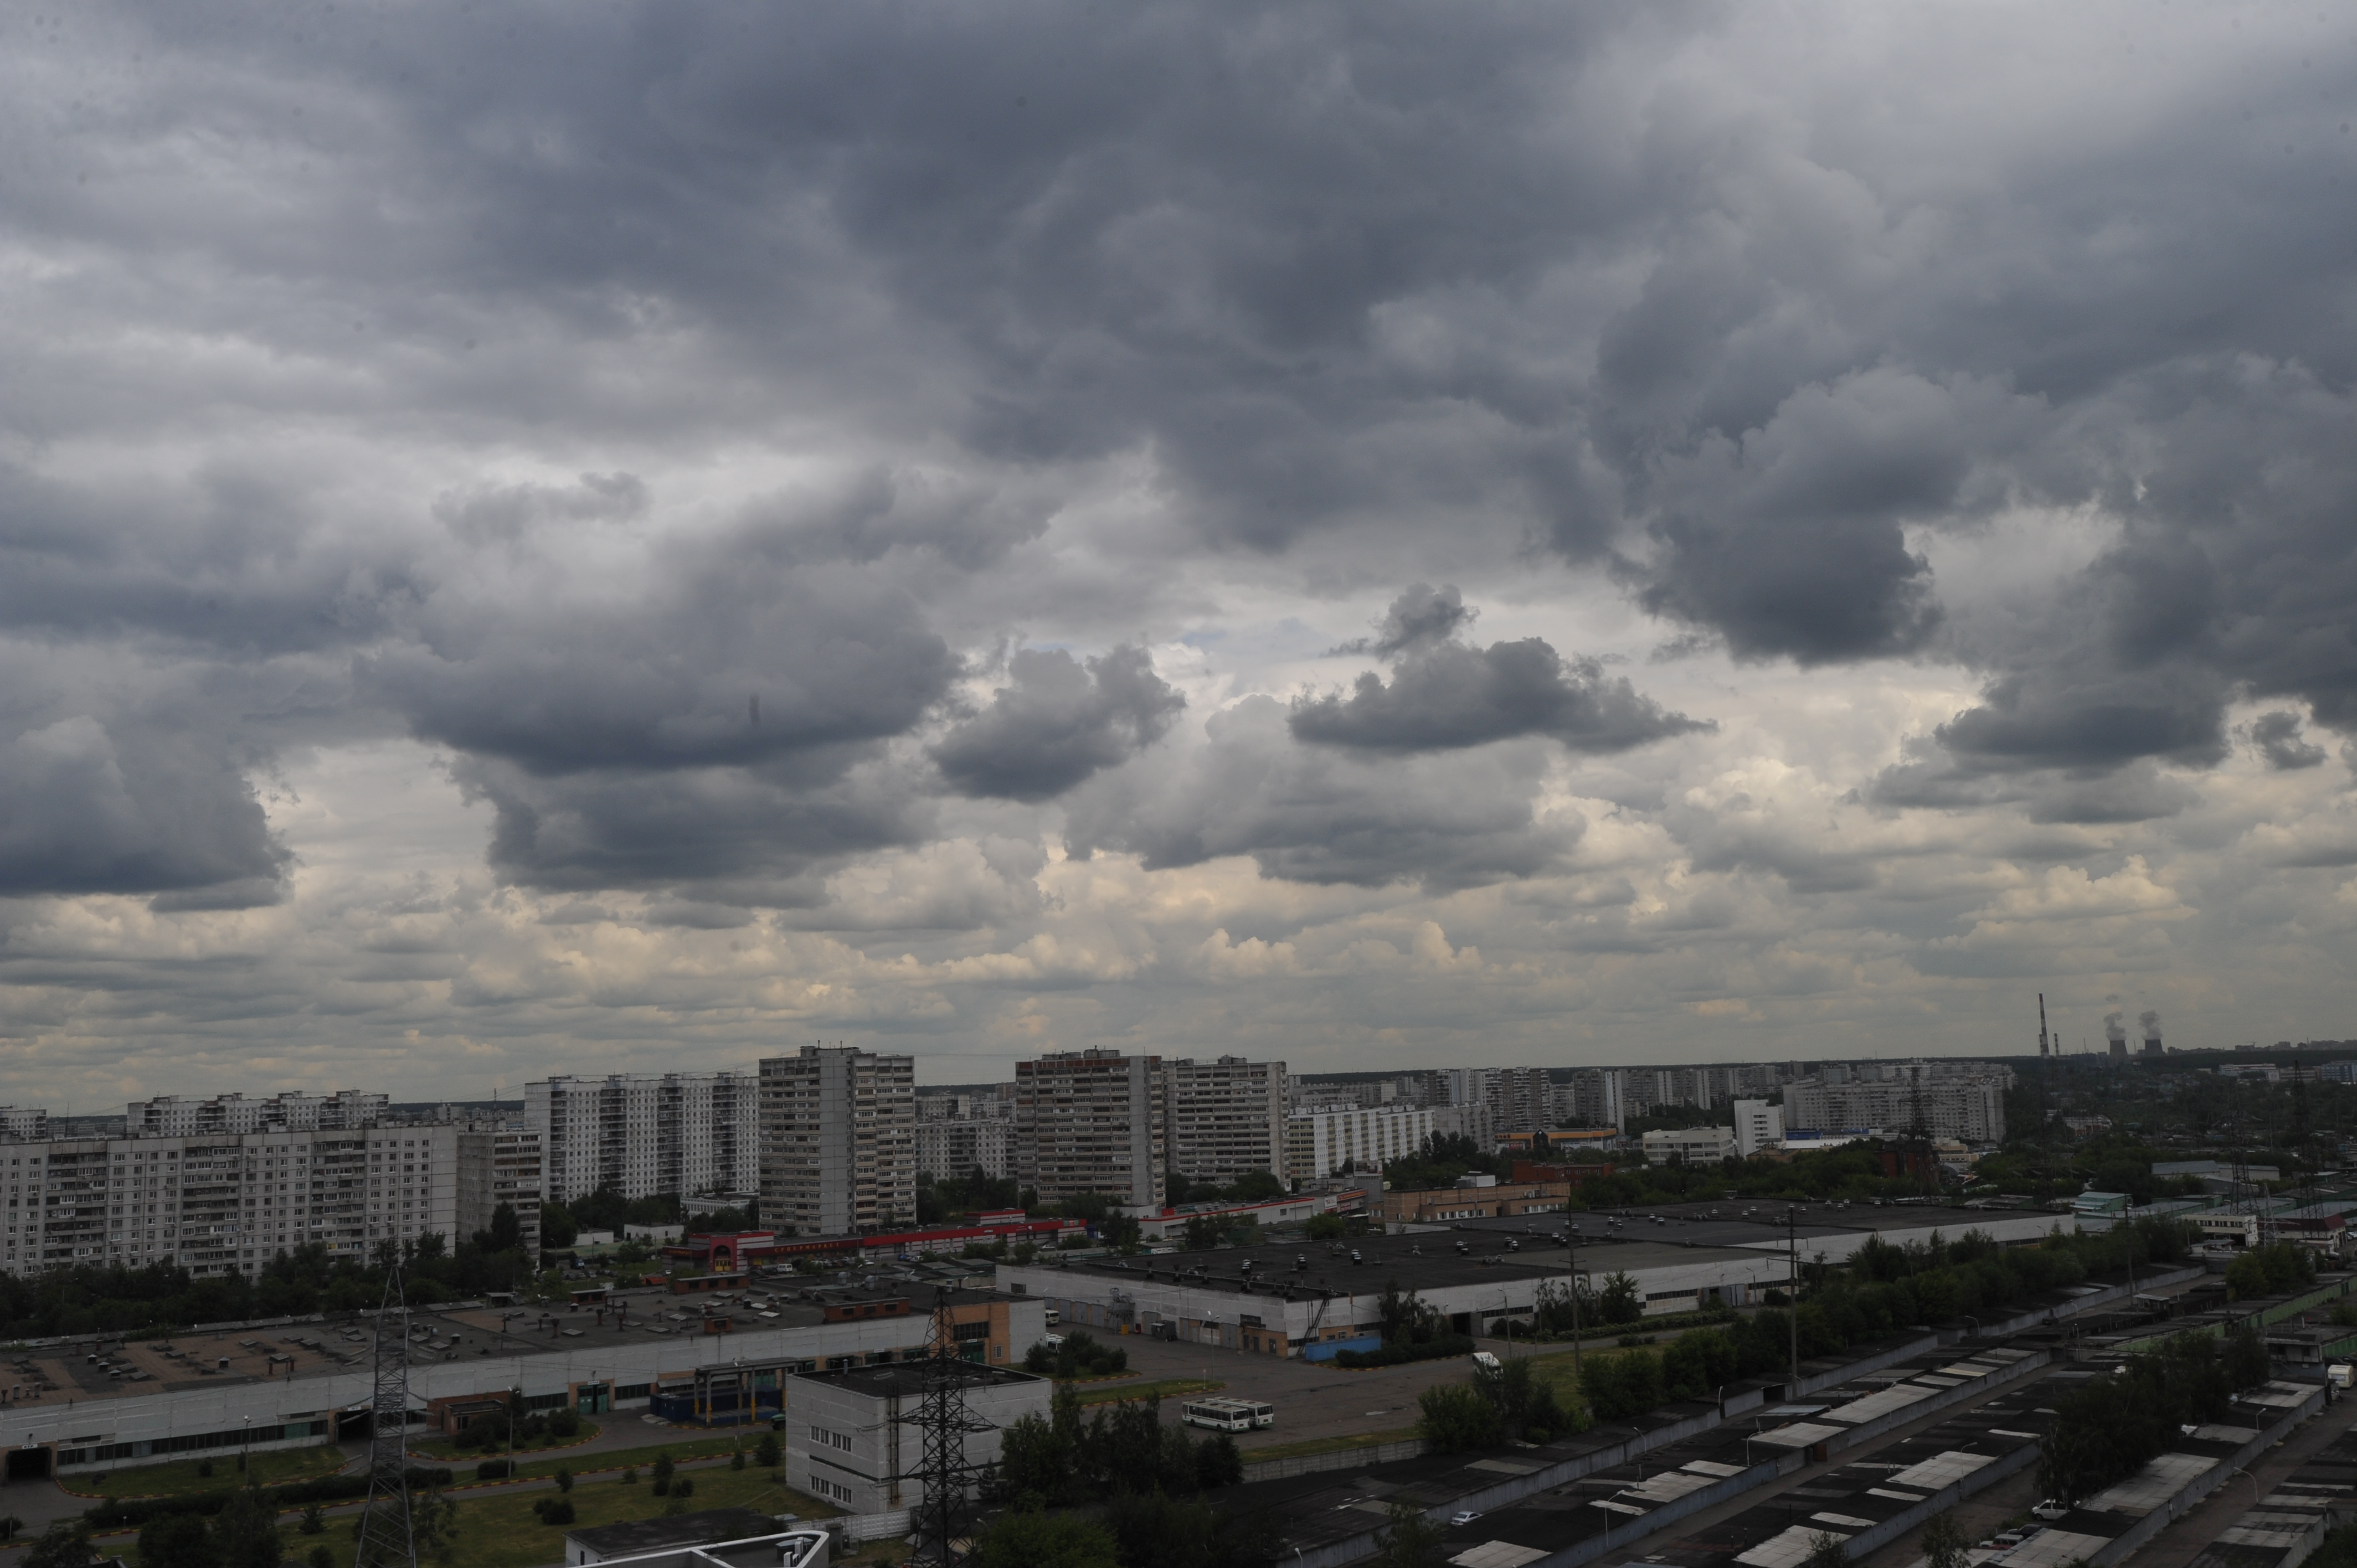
point(1312, 1399)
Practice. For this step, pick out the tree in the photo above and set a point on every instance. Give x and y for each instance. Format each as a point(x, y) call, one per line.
point(1619, 1301)
point(1408, 1539)
point(1455, 1417)
point(1120, 1233)
point(557, 1226)
point(1327, 1228)
point(506, 1233)
point(1203, 1232)
point(765, 1452)
point(177, 1540)
point(1826, 1550)
point(1943, 1543)
point(245, 1532)
point(1031, 1539)
point(662, 1471)
point(65, 1544)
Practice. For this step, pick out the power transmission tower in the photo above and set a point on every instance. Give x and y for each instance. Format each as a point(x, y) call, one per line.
point(387, 1539)
point(941, 1416)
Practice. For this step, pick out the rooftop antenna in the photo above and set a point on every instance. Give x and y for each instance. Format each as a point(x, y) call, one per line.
point(387, 1537)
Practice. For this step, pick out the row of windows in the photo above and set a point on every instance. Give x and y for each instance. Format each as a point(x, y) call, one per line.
point(825, 1439)
point(106, 1451)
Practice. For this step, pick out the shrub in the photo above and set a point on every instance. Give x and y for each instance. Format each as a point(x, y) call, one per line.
point(555, 1511)
point(314, 1519)
point(1456, 1417)
point(684, 1487)
point(492, 1470)
point(630, 1475)
point(766, 1454)
point(563, 1479)
point(737, 1459)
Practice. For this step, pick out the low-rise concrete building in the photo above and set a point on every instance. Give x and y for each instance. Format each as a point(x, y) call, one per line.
point(852, 1437)
point(1690, 1146)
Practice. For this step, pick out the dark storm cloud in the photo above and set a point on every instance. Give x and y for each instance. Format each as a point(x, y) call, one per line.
point(1056, 722)
point(1444, 696)
point(1316, 815)
point(2276, 735)
point(141, 807)
point(1563, 279)
point(1421, 616)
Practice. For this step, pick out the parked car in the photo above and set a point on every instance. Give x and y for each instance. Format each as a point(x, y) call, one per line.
point(2049, 1509)
point(1464, 1516)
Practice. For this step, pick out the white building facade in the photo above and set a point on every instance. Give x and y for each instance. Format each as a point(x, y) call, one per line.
point(951, 1149)
point(646, 1134)
point(1757, 1125)
point(224, 1204)
point(1321, 1140)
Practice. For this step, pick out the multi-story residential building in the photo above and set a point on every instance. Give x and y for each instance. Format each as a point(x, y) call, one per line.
point(645, 1134)
point(224, 1203)
point(948, 1150)
point(1091, 1122)
point(175, 1116)
point(838, 1141)
point(1223, 1118)
point(967, 1107)
point(1952, 1105)
point(499, 1164)
point(1321, 1140)
point(1757, 1125)
point(23, 1125)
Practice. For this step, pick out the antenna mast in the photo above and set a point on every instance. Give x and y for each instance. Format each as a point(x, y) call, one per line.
point(2042, 1041)
point(387, 1539)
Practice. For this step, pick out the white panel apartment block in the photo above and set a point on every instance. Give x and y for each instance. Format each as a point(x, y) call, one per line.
point(1223, 1118)
point(1091, 1122)
point(224, 1203)
point(645, 1134)
point(838, 1141)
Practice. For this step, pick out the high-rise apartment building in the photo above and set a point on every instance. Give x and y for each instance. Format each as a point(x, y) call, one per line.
point(1952, 1105)
point(647, 1134)
point(1091, 1122)
point(23, 1125)
point(224, 1203)
point(1223, 1118)
point(951, 1149)
point(499, 1164)
point(1320, 1140)
point(838, 1141)
point(175, 1116)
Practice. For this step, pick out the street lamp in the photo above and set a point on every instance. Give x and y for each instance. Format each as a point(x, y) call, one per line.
point(245, 1452)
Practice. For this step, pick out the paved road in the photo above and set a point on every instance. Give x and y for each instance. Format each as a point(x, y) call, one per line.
point(1312, 1399)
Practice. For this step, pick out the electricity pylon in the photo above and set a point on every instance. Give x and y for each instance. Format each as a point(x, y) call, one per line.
point(387, 1537)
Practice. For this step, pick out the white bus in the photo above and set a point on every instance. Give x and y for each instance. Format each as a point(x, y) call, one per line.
point(1227, 1415)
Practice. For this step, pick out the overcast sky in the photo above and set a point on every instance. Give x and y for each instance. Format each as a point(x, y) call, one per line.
point(539, 537)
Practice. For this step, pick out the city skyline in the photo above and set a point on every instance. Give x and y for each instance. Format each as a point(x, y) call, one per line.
point(638, 539)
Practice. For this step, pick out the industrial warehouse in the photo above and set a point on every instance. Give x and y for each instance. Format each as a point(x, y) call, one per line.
point(1296, 1298)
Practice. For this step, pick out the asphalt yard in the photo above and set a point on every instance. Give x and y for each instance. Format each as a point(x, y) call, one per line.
point(1312, 1399)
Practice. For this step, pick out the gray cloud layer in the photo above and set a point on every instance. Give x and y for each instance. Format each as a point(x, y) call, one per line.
point(660, 415)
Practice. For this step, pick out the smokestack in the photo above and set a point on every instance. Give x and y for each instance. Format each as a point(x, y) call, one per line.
point(2151, 1022)
point(2116, 1032)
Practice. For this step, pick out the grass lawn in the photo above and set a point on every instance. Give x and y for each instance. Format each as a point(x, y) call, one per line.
point(445, 1451)
point(501, 1531)
point(703, 1446)
point(1328, 1445)
point(1169, 1388)
point(177, 1477)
